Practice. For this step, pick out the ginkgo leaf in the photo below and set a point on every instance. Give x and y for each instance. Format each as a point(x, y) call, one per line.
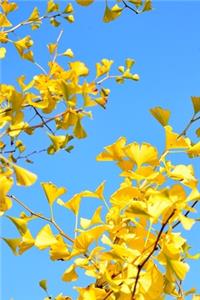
point(68, 53)
point(62, 297)
point(5, 186)
point(52, 192)
point(196, 104)
point(98, 193)
point(138, 208)
point(147, 5)
point(186, 222)
point(95, 219)
point(45, 238)
point(79, 68)
point(13, 244)
point(21, 224)
point(27, 242)
point(73, 204)
point(43, 284)
point(185, 174)
point(111, 14)
point(23, 176)
point(70, 18)
point(180, 268)
point(161, 115)
point(79, 131)
point(59, 250)
point(142, 154)
point(84, 2)
point(70, 274)
point(2, 52)
point(4, 22)
point(52, 6)
point(34, 15)
point(52, 47)
point(174, 140)
point(91, 293)
point(114, 151)
point(124, 196)
point(68, 9)
point(103, 67)
point(194, 150)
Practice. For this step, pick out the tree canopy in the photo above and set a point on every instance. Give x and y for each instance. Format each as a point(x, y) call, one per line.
point(130, 244)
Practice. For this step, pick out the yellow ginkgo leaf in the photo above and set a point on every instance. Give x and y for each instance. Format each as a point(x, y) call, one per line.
point(27, 242)
point(79, 131)
point(185, 174)
point(21, 224)
point(114, 151)
point(62, 297)
point(23, 176)
point(34, 15)
point(91, 293)
point(180, 268)
point(73, 204)
point(52, 192)
point(124, 196)
point(59, 250)
point(142, 154)
point(68, 53)
point(84, 2)
point(13, 244)
point(2, 52)
point(98, 193)
point(161, 115)
point(5, 186)
point(45, 238)
point(79, 68)
point(4, 22)
point(52, 6)
point(174, 140)
point(70, 274)
point(111, 14)
point(186, 222)
point(194, 151)
point(95, 219)
point(196, 104)
point(103, 67)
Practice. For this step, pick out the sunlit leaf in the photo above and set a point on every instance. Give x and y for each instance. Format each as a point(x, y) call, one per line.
point(70, 274)
point(196, 104)
point(161, 115)
point(52, 192)
point(23, 176)
point(45, 238)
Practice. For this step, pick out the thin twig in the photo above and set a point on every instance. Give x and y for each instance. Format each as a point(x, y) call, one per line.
point(186, 214)
point(40, 67)
point(56, 48)
point(130, 7)
point(140, 266)
point(27, 22)
point(193, 119)
point(42, 119)
point(42, 217)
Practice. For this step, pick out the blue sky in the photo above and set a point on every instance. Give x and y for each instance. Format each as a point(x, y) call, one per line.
point(166, 46)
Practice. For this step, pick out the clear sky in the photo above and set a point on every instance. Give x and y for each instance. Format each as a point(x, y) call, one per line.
point(166, 46)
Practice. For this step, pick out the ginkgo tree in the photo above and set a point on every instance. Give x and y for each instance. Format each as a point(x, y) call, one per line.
point(132, 251)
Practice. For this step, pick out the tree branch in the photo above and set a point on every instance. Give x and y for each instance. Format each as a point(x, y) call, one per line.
point(140, 266)
point(193, 119)
point(130, 7)
point(42, 217)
